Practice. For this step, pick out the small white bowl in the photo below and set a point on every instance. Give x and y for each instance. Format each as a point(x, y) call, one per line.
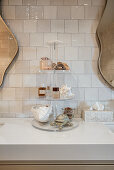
point(42, 113)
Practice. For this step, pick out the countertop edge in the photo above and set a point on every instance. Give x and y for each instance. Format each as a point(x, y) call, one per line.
point(57, 152)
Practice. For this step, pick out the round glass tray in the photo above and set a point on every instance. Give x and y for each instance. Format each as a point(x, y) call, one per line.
point(48, 127)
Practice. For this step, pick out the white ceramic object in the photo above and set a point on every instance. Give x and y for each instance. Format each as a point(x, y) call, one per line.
point(97, 116)
point(42, 112)
point(65, 92)
point(97, 106)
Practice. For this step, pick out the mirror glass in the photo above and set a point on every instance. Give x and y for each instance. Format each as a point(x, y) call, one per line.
point(8, 48)
point(105, 34)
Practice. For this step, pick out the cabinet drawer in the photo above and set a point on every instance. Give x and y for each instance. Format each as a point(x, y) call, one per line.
point(56, 167)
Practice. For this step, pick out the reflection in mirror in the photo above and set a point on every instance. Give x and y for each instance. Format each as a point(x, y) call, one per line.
point(105, 34)
point(8, 48)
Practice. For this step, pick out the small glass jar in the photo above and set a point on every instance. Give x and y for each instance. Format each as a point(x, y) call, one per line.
point(45, 64)
point(42, 91)
point(56, 93)
point(48, 92)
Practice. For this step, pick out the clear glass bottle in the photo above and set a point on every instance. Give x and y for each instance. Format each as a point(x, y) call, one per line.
point(42, 91)
point(48, 92)
point(56, 93)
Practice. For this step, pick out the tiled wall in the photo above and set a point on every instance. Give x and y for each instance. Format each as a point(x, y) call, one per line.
point(34, 22)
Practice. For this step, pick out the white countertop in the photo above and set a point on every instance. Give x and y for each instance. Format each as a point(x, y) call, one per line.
point(20, 141)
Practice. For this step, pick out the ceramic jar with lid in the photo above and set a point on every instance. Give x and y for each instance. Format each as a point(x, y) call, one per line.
point(45, 63)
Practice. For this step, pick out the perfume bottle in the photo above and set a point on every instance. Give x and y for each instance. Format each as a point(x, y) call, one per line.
point(48, 92)
point(56, 93)
point(42, 91)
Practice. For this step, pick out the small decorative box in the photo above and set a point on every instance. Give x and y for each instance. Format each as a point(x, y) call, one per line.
point(97, 116)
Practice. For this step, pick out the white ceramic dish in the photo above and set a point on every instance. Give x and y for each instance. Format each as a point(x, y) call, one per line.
point(42, 112)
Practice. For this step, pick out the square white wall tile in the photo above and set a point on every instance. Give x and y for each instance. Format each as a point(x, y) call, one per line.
point(8, 12)
point(91, 94)
point(57, 26)
point(84, 2)
point(96, 82)
point(22, 67)
point(61, 53)
point(90, 40)
point(22, 12)
point(29, 80)
point(16, 25)
point(15, 2)
point(105, 94)
point(88, 26)
point(79, 93)
point(65, 38)
point(95, 53)
point(44, 80)
point(34, 66)
point(43, 2)
point(78, 39)
point(88, 69)
point(70, 2)
point(29, 2)
point(71, 53)
point(84, 80)
point(30, 26)
point(91, 12)
point(49, 37)
point(77, 12)
point(85, 53)
point(20, 54)
point(95, 67)
point(56, 2)
point(43, 52)
point(29, 53)
point(23, 39)
point(50, 12)
point(36, 39)
point(59, 80)
point(63, 12)
point(43, 26)
point(36, 12)
point(71, 80)
point(15, 80)
point(27, 105)
point(4, 107)
point(78, 67)
point(71, 26)
point(21, 94)
point(8, 94)
point(98, 2)
point(15, 107)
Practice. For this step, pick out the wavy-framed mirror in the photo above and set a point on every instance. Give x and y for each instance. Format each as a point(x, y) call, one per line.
point(8, 48)
point(105, 32)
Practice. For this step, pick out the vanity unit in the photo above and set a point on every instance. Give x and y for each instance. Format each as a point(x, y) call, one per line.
point(89, 146)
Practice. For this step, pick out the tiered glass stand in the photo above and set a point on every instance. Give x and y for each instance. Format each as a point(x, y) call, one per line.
point(54, 102)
